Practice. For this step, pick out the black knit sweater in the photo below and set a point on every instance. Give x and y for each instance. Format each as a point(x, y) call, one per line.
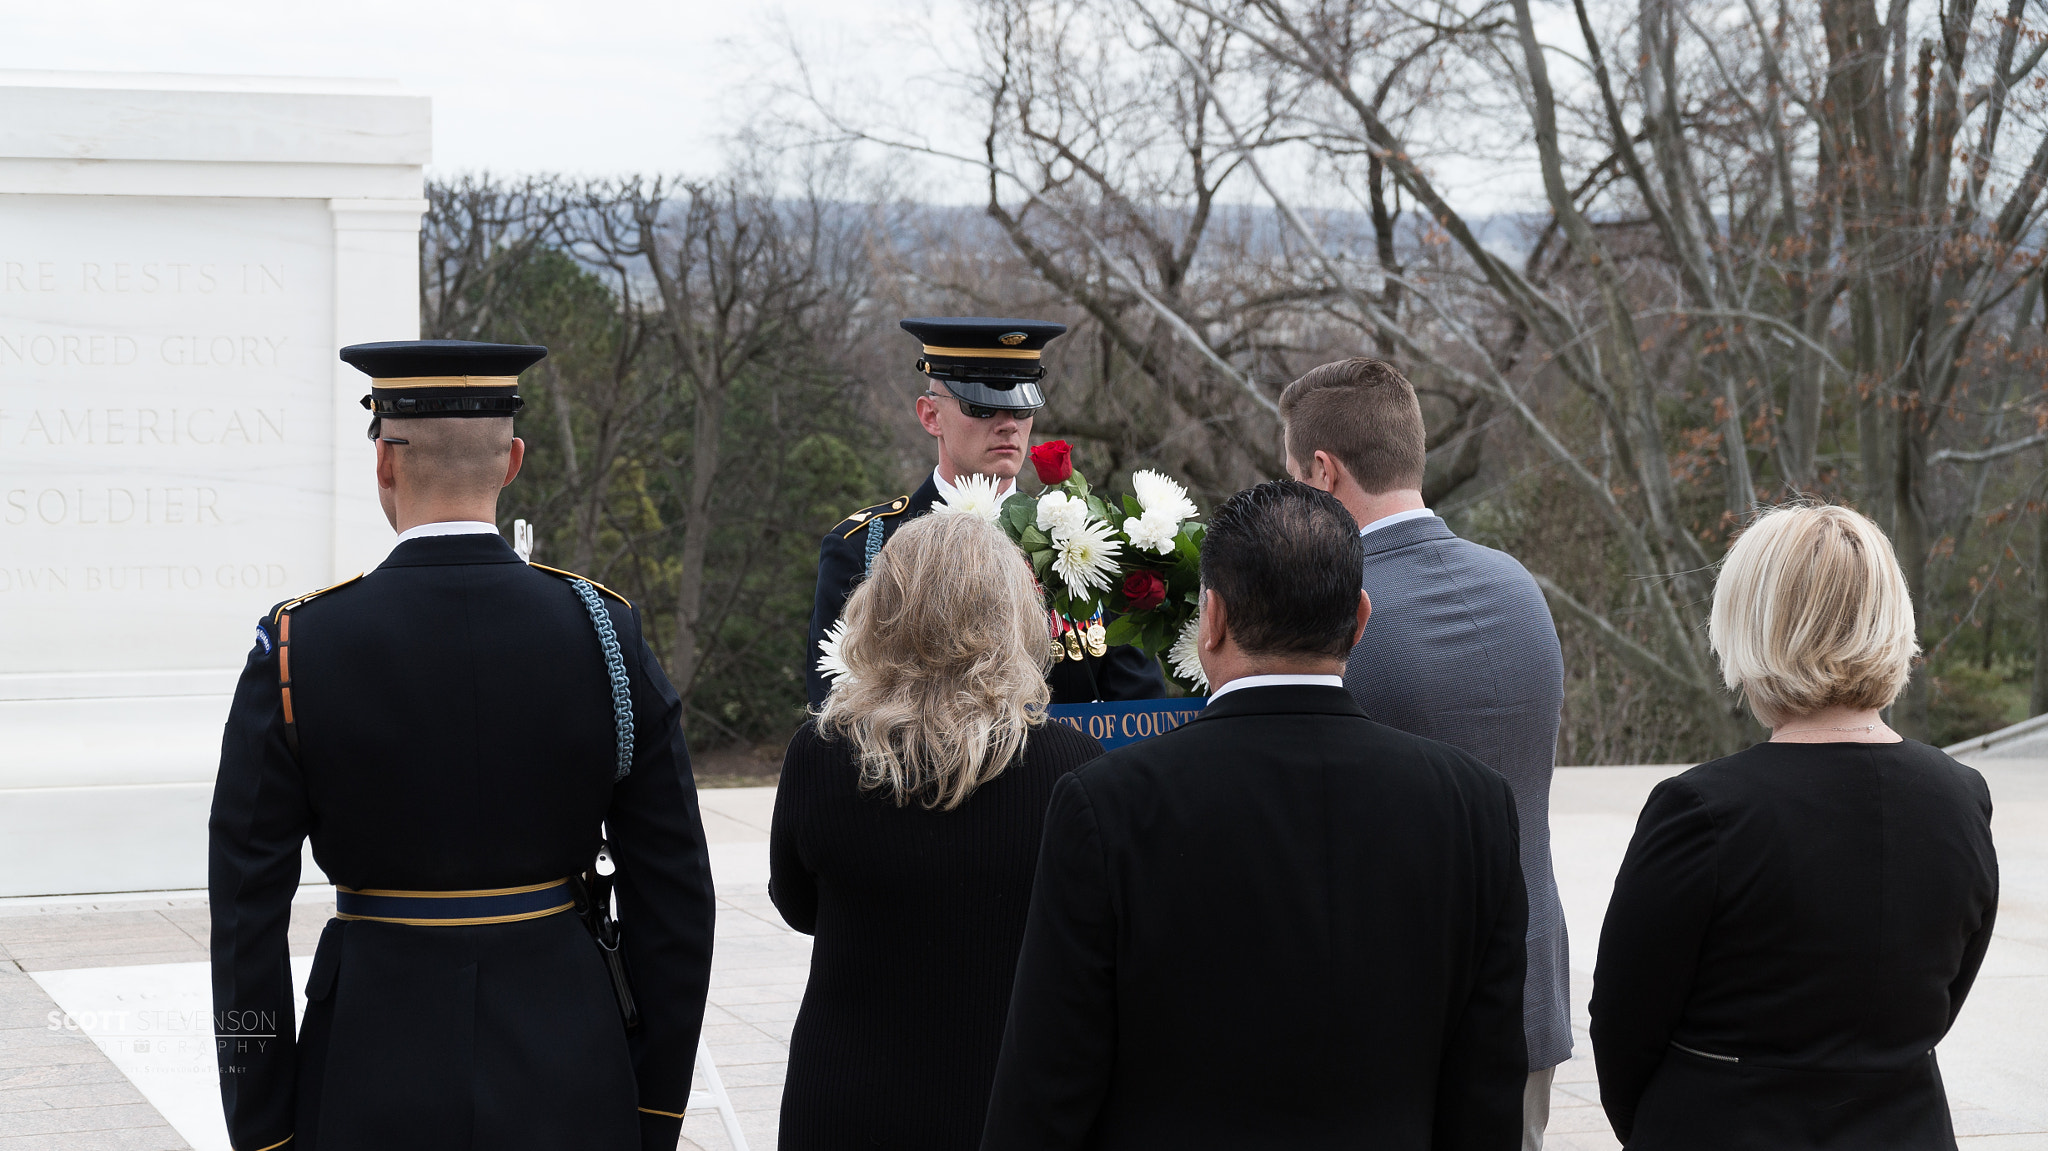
point(918, 915)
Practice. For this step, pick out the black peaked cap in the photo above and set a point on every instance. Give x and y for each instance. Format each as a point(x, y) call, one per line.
point(399, 359)
point(986, 360)
point(423, 379)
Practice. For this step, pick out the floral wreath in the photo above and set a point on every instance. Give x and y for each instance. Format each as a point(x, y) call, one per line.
point(1136, 557)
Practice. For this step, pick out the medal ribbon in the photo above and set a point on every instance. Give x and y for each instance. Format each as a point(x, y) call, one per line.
point(1071, 641)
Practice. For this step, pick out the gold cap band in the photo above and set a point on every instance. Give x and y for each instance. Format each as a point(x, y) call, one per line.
point(402, 382)
point(984, 353)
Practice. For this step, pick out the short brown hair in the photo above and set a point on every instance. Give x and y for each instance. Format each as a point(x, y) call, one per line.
point(1364, 413)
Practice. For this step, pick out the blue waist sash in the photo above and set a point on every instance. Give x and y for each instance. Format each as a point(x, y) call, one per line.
point(454, 908)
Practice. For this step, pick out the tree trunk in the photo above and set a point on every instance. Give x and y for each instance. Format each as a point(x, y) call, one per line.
point(1909, 539)
point(697, 527)
point(1383, 223)
point(2039, 703)
point(582, 510)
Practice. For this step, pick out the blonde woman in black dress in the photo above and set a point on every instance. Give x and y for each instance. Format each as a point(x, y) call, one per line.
point(905, 835)
point(1796, 926)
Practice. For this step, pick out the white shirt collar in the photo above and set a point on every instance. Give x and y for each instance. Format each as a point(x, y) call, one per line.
point(1276, 681)
point(1396, 518)
point(448, 528)
point(947, 491)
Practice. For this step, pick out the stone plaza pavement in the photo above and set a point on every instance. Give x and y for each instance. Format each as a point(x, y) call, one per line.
point(66, 1090)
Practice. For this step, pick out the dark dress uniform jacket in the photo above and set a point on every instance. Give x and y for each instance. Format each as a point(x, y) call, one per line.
point(1123, 673)
point(456, 733)
point(1792, 931)
point(1281, 925)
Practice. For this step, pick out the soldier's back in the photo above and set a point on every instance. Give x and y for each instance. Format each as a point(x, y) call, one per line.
point(455, 734)
point(455, 720)
point(444, 731)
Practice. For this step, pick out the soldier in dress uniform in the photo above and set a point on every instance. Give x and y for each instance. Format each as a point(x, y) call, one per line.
point(982, 392)
point(456, 731)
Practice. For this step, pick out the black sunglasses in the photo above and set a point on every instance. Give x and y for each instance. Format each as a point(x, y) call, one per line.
point(977, 412)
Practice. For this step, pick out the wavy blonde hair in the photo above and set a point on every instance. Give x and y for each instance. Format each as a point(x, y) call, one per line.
point(946, 651)
point(1811, 611)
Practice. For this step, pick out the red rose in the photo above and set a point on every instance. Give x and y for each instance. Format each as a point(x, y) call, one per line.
point(1144, 589)
point(1054, 461)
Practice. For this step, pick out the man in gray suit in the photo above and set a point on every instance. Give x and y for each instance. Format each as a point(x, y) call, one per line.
point(1461, 647)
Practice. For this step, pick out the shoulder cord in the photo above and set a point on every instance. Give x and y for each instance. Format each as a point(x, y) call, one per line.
point(874, 545)
point(615, 667)
point(284, 680)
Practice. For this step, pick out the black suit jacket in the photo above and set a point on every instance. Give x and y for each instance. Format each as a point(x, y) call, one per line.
point(1792, 931)
point(1123, 673)
point(456, 732)
point(1281, 925)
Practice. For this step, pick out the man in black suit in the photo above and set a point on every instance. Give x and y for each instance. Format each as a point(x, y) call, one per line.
point(1281, 925)
point(455, 731)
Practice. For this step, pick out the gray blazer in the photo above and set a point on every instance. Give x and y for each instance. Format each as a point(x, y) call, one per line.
point(1461, 648)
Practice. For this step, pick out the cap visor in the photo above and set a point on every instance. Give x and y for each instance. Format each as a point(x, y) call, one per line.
point(1023, 397)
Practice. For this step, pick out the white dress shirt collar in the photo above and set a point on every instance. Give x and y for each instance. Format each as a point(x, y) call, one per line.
point(947, 491)
point(1396, 518)
point(1276, 681)
point(448, 528)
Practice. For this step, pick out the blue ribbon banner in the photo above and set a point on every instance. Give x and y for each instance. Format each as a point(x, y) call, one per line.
point(1116, 724)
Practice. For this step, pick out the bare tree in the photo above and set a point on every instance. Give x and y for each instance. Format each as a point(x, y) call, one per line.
point(696, 412)
point(1743, 247)
point(740, 280)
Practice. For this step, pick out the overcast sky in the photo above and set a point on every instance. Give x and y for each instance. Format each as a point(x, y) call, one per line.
point(580, 86)
point(591, 87)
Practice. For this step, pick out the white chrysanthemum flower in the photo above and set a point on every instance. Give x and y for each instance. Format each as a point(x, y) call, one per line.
point(1061, 515)
point(1157, 493)
point(974, 495)
point(831, 661)
point(1086, 558)
point(1152, 532)
point(1185, 654)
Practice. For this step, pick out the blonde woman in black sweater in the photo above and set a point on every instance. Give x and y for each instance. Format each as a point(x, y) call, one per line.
point(1796, 926)
point(906, 832)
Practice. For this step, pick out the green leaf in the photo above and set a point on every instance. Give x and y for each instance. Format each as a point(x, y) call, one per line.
point(1097, 508)
point(1131, 507)
point(1155, 638)
point(1122, 630)
point(1033, 540)
point(1019, 512)
point(1041, 563)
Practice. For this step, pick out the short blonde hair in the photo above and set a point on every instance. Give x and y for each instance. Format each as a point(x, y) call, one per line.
point(1811, 611)
point(946, 647)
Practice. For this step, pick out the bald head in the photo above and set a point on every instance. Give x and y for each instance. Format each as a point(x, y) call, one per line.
point(452, 458)
point(447, 469)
